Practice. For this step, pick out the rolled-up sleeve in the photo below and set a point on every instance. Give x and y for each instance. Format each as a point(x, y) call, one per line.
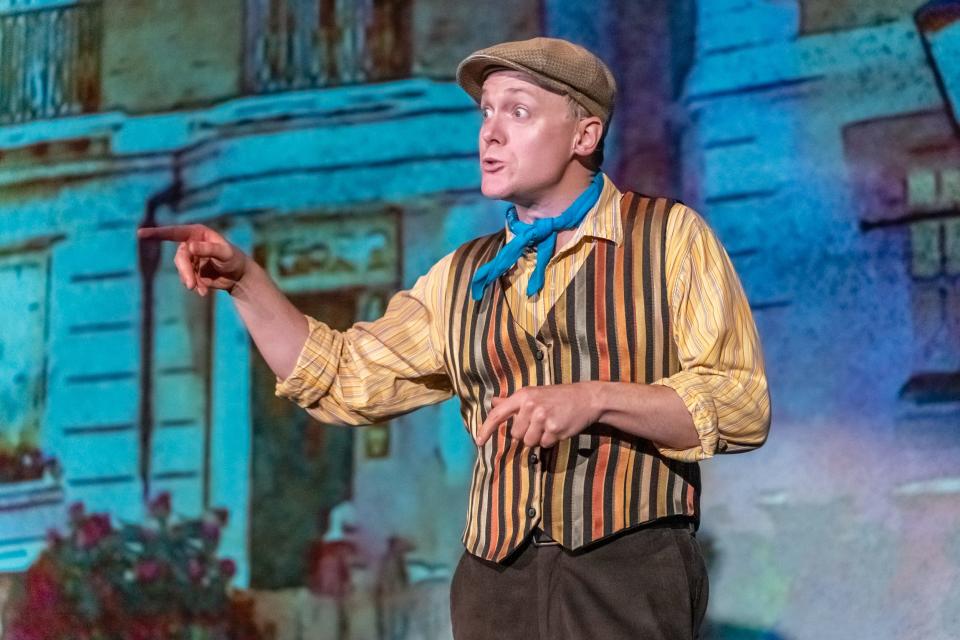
point(722, 380)
point(375, 370)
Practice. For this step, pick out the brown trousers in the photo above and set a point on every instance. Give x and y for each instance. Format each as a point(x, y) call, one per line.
point(647, 583)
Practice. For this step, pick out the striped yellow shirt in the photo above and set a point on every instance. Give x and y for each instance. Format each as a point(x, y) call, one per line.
point(395, 364)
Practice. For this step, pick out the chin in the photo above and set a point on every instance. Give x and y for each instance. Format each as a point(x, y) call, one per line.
point(494, 191)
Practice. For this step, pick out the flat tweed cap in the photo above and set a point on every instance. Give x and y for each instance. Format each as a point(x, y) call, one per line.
point(557, 64)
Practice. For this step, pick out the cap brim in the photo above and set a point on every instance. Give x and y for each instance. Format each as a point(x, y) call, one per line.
point(474, 69)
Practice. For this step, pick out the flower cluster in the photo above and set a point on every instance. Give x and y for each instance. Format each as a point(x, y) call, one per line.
point(24, 462)
point(161, 580)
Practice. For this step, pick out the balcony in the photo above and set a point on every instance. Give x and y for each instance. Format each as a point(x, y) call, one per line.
point(301, 44)
point(49, 58)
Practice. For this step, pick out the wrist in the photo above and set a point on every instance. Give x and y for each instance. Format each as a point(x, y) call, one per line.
point(597, 394)
point(241, 284)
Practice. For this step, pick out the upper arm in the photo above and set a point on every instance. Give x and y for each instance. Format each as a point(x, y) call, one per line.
point(722, 378)
point(376, 369)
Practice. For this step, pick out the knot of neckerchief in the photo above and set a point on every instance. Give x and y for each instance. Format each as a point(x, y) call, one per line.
point(542, 233)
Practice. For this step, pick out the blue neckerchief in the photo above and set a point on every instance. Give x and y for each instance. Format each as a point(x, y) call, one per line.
point(542, 232)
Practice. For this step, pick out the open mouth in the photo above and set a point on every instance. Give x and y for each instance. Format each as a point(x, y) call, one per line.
point(492, 166)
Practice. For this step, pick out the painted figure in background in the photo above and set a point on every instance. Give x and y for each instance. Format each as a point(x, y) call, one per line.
point(601, 345)
point(392, 592)
point(329, 565)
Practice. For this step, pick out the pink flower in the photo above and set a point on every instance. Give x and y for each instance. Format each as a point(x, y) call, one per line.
point(27, 633)
point(147, 534)
point(209, 531)
point(148, 570)
point(195, 569)
point(76, 512)
point(93, 529)
point(144, 629)
point(228, 568)
point(43, 587)
point(160, 506)
point(53, 537)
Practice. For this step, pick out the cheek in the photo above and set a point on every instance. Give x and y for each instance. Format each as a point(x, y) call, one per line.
point(546, 151)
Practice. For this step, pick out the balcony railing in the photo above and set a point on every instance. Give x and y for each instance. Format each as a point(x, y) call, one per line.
point(49, 58)
point(299, 44)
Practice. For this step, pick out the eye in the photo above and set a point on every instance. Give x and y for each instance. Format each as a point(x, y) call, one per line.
point(484, 112)
point(520, 112)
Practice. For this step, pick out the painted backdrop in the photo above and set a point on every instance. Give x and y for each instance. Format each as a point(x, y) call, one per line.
point(327, 138)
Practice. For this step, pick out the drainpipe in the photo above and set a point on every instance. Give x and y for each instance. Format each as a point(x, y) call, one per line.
point(149, 261)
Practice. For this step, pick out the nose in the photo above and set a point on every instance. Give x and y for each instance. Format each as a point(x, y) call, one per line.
point(491, 131)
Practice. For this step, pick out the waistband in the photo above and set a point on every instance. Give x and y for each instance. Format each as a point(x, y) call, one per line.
point(540, 538)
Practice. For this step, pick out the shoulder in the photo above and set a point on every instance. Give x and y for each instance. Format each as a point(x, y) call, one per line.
point(456, 262)
point(687, 240)
point(476, 251)
point(480, 242)
point(635, 203)
point(682, 222)
point(685, 224)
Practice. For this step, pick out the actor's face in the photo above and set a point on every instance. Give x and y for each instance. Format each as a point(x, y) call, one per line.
point(526, 140)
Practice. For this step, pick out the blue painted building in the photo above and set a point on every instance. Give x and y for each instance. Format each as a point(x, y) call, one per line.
point(328, 140)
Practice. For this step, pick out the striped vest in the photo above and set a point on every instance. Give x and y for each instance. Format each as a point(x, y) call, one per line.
point(612, 322)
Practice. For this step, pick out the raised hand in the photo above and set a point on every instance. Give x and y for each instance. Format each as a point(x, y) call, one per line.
point(543, 415)
point(205, 260)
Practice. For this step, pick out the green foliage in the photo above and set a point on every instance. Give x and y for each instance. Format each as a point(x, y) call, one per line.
point(161, 580)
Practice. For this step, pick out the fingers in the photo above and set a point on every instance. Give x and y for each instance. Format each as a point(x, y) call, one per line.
point(185, 268)
point(531, 424)
point(179, 233)
point(486, 429)
point(202, 253)
point(193, 260)
point(548, 439)
point(535, 426)
point(217, 250)
point(521, 421)
point(503, 408)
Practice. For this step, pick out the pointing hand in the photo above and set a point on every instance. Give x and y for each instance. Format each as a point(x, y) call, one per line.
point(205, 260)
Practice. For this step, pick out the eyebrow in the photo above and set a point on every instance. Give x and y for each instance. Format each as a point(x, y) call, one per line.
point(512, 90)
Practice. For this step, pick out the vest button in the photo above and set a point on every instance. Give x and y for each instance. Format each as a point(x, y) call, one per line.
point(533, 458)
point(539, 354)
point(532, 512)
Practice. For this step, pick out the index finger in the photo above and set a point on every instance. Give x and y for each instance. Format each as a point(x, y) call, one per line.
point(176, 232)
point(504, 409)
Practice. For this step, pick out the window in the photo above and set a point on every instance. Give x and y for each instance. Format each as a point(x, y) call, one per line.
point(49, 58)
point(23, 293)
point(905, 175)
point(297, 44)
point(934, 200)
point(817, 16)
point(338, 270)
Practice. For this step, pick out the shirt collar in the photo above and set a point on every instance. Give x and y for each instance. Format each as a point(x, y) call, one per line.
point(602, 221)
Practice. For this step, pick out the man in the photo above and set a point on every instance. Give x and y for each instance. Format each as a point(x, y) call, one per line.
point(600, 345)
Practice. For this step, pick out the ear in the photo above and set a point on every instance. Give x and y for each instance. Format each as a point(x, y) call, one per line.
point(589, 132)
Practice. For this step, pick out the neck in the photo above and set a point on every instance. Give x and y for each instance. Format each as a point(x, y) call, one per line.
point(555, 200)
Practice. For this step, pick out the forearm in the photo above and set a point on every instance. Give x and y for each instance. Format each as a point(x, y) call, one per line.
point(652, 412)
point(277, 327)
